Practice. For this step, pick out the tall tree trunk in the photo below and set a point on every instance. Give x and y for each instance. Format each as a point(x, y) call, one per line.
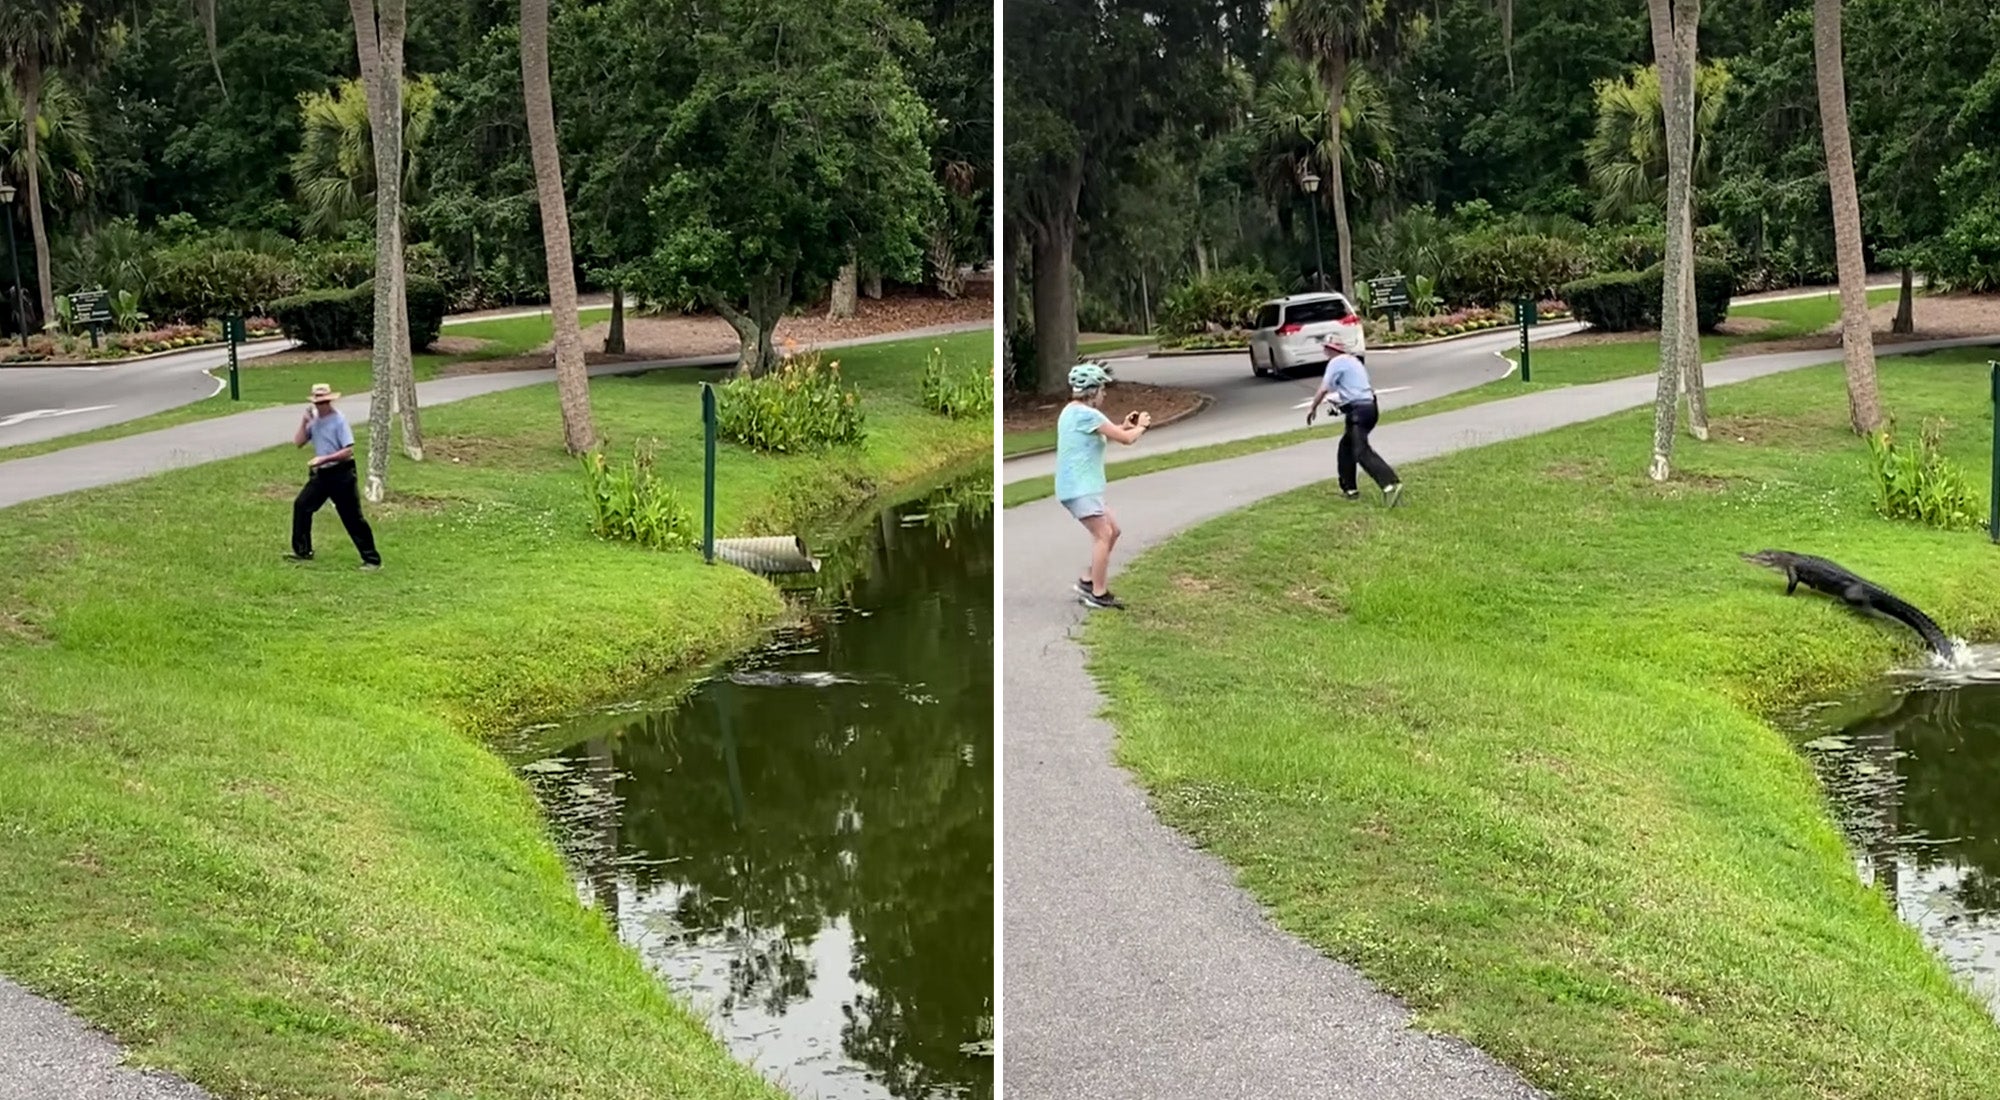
point(1680, 222)
point(846, 288)
point(1666, 394)
point(1053, 241)
point(614, 341)
point(871, 285)
point(378, 39)
point(1864, 402)
point(1336, 173)
point(572, 380)
point(1906, 307)
point(406, 374)
point(1145, 300)
point(31, 111)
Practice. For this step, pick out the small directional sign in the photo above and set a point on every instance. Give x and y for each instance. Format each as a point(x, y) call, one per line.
point(93, 307)
point(1389, 292)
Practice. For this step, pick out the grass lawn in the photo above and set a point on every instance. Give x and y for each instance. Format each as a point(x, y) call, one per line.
point(262, 385)
point(1530, 784)
point(248, 821)
point(1040, 439)
point(1550, 368)
point(1110, 344)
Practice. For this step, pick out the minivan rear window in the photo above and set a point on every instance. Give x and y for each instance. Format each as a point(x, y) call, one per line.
point(1267, 317)
point(1312, 313)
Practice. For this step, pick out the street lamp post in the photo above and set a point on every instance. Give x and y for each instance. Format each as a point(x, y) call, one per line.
point(13, 260)
point(1311, 182)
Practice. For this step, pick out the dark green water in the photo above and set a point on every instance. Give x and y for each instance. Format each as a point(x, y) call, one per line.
point(802, 845)
point(1914, 773)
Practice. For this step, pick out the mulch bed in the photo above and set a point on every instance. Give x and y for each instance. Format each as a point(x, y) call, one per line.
point(1038, 412)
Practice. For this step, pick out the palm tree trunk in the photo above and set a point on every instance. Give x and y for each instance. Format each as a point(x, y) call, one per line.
point(1906, 312)
point(1864, 402)
point(381, 74)
point(572, 380)
point(1336, 174)
point(31, 109)
point(406, 373)
point(614, 341)
point(1680, 222)
point(1666, 394)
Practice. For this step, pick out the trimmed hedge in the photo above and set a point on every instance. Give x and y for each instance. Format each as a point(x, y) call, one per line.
point(1627, 301)
point(330, 320)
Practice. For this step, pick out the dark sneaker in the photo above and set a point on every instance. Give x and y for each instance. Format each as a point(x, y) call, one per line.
point(1083, 586)
point(1350, 494)
point(1392, 495)
point(1092, 599)
point(298, 557)
point(370, 566)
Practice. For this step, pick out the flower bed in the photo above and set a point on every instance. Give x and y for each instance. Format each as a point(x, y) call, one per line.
point(1458, 322)
point(124, 345)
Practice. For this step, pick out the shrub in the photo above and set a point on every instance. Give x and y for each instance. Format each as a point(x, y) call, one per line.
point(194, 282)
point(956, 393)
point(327, 320)
point(800, 406)
point(1714, 282)
point(1492, 268)
point(324, 320)
point(1620, 301)
point(629, 504)
point(1226, 299)
point(1920, 485)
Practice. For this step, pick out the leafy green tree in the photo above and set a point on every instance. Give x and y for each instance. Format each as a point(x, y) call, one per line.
point(64, 144)
point(782, 137)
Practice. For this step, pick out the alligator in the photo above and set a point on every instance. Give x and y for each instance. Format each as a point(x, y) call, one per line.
point(1857, 592)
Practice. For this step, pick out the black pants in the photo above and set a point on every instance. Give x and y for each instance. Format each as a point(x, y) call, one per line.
point(1354, 448)
point(335, 481)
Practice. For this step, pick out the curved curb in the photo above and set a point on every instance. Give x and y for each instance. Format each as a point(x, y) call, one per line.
point(1175, 353)
point(1203, 401)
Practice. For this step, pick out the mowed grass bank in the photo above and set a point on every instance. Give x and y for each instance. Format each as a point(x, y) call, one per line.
point(260, 383)
point(247, 820)
point(1507, 748)
point(1549, 368)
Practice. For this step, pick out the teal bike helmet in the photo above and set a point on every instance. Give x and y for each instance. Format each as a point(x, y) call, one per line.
point(1089, 376)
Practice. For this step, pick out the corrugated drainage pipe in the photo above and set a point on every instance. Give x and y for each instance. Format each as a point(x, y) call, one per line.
point(768, 554)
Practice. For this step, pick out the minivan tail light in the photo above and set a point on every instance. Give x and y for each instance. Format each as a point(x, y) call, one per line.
point(1290, 330)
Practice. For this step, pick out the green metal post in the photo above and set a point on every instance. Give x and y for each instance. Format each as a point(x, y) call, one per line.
point(1993, 489)
point(1524, 311)
point(229, 329)
point(708, 473)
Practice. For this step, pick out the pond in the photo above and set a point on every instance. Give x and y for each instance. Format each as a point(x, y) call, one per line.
point(1913, 771)
point(801, 842)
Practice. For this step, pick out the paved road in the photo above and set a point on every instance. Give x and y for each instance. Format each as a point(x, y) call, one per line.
point(1246, 406)
point(90, 465)
point(48, 1054)
point(38, 403)
point(1135, 967)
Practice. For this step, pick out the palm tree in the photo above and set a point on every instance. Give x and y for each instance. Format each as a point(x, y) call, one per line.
point(1289, 123)
point(378, 40)
point(1864, 402)
point(572, 381)
point(64, 144)
point(334, 168)
point(1332, 35)
point(1627, 153)
point(1674, 24)
point(39, 40)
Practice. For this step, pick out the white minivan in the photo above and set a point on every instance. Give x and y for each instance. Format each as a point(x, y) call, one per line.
point(1290, 332)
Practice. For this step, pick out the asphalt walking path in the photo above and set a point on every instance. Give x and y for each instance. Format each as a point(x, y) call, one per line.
point(89, 465)
point(1135, 966)
point(46, 1052)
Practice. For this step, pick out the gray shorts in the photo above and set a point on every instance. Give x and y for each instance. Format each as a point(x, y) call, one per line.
point(1084, 507)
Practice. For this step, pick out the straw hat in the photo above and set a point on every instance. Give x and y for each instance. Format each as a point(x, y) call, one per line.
point(323, 392)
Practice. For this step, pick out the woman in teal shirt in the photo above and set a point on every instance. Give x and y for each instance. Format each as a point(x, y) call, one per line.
point(1080, 434)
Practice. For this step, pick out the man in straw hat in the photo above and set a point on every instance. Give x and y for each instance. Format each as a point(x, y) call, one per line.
point(330, 475)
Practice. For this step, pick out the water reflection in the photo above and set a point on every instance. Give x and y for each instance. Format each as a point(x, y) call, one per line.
point(1916, 780)
point(802, 845)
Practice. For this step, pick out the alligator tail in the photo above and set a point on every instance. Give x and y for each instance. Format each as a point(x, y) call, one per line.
point(1917, 621)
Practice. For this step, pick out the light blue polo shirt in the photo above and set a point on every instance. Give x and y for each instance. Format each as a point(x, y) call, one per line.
point(1347, 379)
point(329, 432)
point(1079, 451)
